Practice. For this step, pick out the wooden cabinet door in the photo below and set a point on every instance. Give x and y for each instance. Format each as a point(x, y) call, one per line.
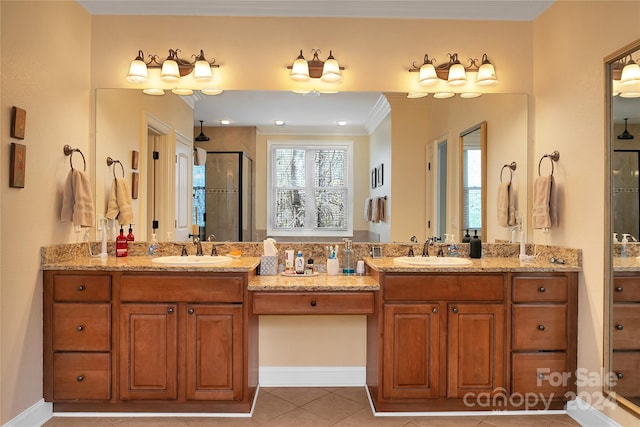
point(476, 348)
point(148, 351)
point(410, 363)
point(214, 349)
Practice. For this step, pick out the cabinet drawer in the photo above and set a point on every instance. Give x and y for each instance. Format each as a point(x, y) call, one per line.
point(81, 327)
point(626, 289)
point(81, 376)
point(68, 287)
point(181, 288)
point(541, 373)
point(540, 327)
point(540, 289)
point(313, 303)
point(443, 287)
point(626, 327)
point(626, 365)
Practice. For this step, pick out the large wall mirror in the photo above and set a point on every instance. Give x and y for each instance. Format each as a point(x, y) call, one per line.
point(622, 297)
point(128, 120)
point(473, 181)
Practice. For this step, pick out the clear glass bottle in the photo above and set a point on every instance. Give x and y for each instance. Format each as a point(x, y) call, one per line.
point(348, 266)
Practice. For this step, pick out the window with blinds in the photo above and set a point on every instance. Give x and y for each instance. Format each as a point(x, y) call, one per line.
point(309, 189)
point(472, 188)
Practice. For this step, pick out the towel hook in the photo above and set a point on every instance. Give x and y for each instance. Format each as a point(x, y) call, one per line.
point(512, 166)
point(110, 162)
point(68, 151)
point(553, 157)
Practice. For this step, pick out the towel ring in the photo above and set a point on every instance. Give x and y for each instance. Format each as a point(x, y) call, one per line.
point(553, 157)
point(68, 151)
point(110, 162)
point(512, 166)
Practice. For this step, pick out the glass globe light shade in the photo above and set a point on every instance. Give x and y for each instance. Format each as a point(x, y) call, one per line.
point(202, 71)
point(137, 72)
point(300, 69)
point(170, 71)
point(428, 75)
point(630, 73)
point(331, 71)
point(486, 75)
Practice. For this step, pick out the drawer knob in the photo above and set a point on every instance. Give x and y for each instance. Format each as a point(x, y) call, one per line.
point(313, 303)
point(81, 288)
point(80, 378)
point(619, 327)
point(434, 310)
point(619, 289)
point(79, 328)
point(170, 310)
point(541, 327)
point(541, 376)
point(455, 310)
point(191, 310)
point(542, 289)
point(620, 375)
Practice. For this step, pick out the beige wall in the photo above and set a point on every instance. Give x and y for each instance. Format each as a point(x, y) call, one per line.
point(569, 117)
point(45, 70)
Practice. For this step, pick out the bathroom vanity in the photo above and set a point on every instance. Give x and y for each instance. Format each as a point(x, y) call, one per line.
point(129, 335)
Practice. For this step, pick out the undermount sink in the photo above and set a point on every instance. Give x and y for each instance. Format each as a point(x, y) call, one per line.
point(191, 260)
point(432, 261)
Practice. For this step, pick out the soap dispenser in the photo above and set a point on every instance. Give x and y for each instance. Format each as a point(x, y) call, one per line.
point(153, 245)
point(475, 250)
point(625, 241)
point(130, 237)
point(299, 263)
point(466, 238)
point(122, 246)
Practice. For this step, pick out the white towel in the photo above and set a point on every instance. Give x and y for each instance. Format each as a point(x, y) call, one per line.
point(119, 205)
point(368, 208)
point(200, 156)
point(77, 200)
point(545, 212)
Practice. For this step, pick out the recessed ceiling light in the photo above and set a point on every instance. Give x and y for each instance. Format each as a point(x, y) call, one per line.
point(279, 122)
point(342, 123)
point(225, 122)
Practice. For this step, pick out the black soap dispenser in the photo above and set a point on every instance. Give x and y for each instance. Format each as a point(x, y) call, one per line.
point(475, 244)
point(466, 238)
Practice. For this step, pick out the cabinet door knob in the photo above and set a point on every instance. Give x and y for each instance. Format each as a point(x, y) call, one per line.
point(455, 310)
point(79, 328)
point(80, 378)
point(170, 310)
point(81, 288)
point(619, 289)
point(541, 327)
point(541, 376)
point(434, 310)
point(313, 303)
point(191, 310)
point(620, 375)
point(542, 289)
point(619, 327)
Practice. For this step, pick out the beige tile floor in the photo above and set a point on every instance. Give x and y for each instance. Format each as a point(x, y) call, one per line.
point(318, 407)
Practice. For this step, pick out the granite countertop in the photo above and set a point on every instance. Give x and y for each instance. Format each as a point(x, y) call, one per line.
point(626, 263)
point(321, 282)
point(143, 263)
point(480, 265)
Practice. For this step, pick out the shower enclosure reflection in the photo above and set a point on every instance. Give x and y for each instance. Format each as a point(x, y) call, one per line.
point(625, 182)
point(222, 190)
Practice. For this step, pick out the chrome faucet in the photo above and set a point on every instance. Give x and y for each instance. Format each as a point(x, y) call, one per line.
point(196, 241)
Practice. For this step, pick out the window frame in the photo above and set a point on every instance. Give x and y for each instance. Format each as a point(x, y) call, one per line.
point(310, 145)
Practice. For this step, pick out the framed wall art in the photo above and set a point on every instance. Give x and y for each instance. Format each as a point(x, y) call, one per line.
point(380, 174)
point(135, 180)
point(374, 179)
point(18, 122)
point(17, 165)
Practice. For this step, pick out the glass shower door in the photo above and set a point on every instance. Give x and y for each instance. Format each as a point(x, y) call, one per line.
point(626, 197)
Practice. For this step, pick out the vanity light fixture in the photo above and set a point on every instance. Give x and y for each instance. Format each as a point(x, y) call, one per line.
point(454, 75)
point(626, 78)
point(178, 74)
point(328, 71)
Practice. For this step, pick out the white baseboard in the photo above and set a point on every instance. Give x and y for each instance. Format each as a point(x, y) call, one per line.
point(312, 376)
point(588, 416)
point(34, 416)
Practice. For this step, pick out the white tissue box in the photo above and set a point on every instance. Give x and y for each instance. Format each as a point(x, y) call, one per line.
point(268, 265)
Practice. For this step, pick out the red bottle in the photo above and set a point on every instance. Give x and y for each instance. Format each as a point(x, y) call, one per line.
point(130, 237)
point(122, 245)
